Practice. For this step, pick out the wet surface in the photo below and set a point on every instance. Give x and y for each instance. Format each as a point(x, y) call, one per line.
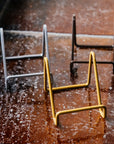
point(93, 17)
point(25, 110)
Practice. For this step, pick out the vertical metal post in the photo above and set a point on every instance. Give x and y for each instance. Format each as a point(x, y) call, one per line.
point(113, 60)
point(43, 42)
point(3, 56)
point(73, 40)
point(113, 54)
point(73, 35)
point(45, 77)
point(113, 45)
point(46, 43)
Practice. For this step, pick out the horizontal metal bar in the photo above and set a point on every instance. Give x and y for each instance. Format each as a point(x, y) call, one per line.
point(98, 62)
point(25, 57)
point(69, 87)
point(38, 33)
point(25, 75)
point(102, 112)
point(80, 109)
point(94, 46)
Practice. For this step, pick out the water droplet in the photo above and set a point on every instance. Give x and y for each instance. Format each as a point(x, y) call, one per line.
point(110, 88)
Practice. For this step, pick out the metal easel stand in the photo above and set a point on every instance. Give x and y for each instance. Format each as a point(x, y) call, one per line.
point(74, 43)
point(102, 108)
point(40, 56)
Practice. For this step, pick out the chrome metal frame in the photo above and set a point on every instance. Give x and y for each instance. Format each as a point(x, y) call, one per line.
point(5, 59)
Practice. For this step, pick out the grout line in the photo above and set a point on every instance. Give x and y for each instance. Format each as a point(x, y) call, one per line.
point(35, 33)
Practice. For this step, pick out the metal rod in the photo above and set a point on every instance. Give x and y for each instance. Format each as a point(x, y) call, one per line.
point(98, 62)
point(73, 36)
point(47, 76)
point(74, 42)
point(102, 108)
point(70, 87)
point(94, 46)
point(85, 62)
point(113, 59)
point(113, 51)
point(92, 56)
point(24, 57)
point(103, 113)
point(43, 41)
point(45, 44)
point(44, 50)
point(85, 46)
point(25, 75)
point(3, 55)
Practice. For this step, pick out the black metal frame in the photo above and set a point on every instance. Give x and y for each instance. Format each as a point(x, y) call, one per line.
point(74, 43)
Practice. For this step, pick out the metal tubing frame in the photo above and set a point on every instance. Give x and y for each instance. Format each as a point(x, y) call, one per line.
point(44, 50)
point(55, 116)
point(74, 43)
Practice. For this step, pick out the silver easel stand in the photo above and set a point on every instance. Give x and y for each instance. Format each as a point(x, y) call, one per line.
point(4, 58)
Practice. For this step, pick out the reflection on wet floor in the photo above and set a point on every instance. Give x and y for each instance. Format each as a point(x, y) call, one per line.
point(25, 109)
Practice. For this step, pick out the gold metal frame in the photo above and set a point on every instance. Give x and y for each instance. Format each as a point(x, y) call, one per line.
point(102, 108)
